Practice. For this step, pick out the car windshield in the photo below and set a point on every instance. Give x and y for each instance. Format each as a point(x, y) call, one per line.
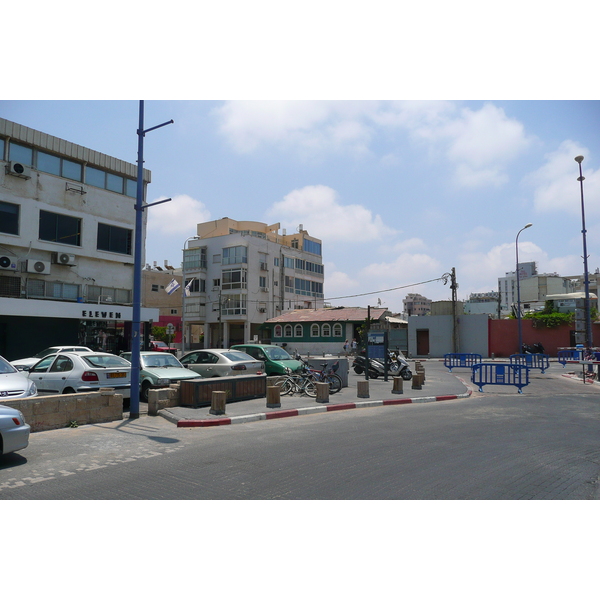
point(164, 360)
point(6, 367)
point(160, 344)
point(44, 353)
point(277, 353)
point(237, 356)
point(107, 362)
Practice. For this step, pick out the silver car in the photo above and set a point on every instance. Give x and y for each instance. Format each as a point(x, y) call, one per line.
point(14, 432)
point(72, 372)
point(13, 383)
point(29, 362)
point(222, 363)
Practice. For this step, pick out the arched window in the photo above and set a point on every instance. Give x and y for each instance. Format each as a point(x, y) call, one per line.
point(326, 330)
point(287, 331)
point(278, 331)
point(337, 330)
point(314, 330)
point(298, 331)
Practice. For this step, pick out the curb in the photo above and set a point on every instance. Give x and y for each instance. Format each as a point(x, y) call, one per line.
point(295, 412)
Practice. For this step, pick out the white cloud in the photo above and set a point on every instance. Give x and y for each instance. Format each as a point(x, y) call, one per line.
point(556, 185)
point(317, 208)
point(179, 216)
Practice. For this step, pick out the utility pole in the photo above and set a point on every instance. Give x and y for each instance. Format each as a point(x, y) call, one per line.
point(134, 403)
point(453, 287)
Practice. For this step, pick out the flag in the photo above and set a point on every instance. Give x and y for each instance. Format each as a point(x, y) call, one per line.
point(188, 291)
point(172, 287)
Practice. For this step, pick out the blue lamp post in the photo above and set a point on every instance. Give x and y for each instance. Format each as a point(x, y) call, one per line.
point(586, 277)
point(520, 350)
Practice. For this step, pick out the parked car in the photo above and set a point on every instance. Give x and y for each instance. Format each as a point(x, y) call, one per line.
point(157, 346)
point(13, 383)
point(73, 372)
point(29, 362)
point(222, 363)
point(159, 370)
point(277, 360)
point(14, 432)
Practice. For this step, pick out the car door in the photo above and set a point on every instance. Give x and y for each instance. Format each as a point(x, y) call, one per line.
point(205, 364)
point(50, 373)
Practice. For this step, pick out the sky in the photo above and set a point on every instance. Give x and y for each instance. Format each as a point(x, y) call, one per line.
point(400, 192)
point(411, 142)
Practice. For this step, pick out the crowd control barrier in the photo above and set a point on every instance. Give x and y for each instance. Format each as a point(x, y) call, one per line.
point(533, 361)
point(461, 360)
point(500, 374)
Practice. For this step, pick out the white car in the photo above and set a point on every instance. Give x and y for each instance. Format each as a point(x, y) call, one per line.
point(14, 384)
point(222, 363)
point(29, 362)
point(14, 432)
point(73, 372)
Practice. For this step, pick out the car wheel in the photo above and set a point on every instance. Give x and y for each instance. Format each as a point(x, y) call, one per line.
point(69, 391)
point(145, 388)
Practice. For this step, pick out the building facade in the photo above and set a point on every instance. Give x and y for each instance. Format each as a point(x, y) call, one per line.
point(416, 305)
point(67, 226)
point(241, 273)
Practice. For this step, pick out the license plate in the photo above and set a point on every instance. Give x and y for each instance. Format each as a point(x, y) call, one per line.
point(116, 375)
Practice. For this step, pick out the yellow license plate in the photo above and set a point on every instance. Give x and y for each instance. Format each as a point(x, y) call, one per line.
point(116, 375)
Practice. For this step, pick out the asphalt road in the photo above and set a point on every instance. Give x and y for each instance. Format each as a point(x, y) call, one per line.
point(542, 444)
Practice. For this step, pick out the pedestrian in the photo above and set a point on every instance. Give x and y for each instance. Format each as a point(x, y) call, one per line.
point(353, 346)
point(346, 348)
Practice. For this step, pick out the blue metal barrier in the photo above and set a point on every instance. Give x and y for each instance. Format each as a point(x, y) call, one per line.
point(461, 360)
point(500, 374)
point(565, 356)
point(533, 361)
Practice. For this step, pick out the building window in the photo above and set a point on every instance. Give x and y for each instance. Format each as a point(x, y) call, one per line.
point(278, 331)
point(233, 305)
point(60, 228)
point(262, 283)
point(194, 258)
point(326, 330)
point(234, 279)
point(9, 218)
point(39, 288)
point(314, 330)
point(298, 332)
point(108, 295)
point(312, 247)
point(114, 239)
point(21, 154)
point(337, 330)
point(287, 331)
point(288, 262)
point(235, 255)
point(276, 261)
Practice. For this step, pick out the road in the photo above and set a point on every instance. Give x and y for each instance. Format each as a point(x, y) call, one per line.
point(499, 444)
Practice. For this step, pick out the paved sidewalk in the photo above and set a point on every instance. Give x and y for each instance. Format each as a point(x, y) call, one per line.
point(439, 385)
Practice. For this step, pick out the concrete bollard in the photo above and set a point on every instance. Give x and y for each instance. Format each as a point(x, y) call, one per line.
point(322, 392)
point(417, 381)
point(398, 385)
point(362, 389)
point(273, 396)
point(217, 403)
point(421, 370)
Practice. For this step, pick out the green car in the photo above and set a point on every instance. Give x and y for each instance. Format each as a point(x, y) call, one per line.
point(159, 370)
point(277, 360)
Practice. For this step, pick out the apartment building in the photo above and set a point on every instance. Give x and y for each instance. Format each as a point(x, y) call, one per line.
point(67, 226)
point(416, 305)
point(241, 273)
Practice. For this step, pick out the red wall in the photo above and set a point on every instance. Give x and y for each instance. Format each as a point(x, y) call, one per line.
point(504, 336)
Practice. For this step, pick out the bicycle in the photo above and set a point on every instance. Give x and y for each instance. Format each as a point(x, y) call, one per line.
point(325, 375)
point(298, 383)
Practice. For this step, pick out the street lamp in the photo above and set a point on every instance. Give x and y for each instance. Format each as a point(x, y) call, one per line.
point(586, 278)
point(519, 290)
point(183, 273)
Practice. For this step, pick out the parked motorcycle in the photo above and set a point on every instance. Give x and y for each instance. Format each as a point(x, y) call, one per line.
point(397, 365)
point(533, 349)
point(375, 367)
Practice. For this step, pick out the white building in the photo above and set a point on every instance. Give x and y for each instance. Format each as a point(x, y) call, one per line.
point(67, 225)
point(242, 273)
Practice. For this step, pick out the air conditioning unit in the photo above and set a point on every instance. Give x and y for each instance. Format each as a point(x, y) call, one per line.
point(264, 289)
point(18, 169)
point(41, 267)
point(62, 258)
point(264, 266)
point(8, 263)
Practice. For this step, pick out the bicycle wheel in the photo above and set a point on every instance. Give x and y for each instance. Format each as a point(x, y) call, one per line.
point(335, 383)
point(309, 388)
point(287, 387)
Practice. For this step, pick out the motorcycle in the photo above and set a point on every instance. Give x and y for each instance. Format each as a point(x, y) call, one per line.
point(397, 365)
point(534, 349)
point(375, 367)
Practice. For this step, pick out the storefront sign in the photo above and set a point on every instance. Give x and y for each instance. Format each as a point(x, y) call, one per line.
point(100, 314)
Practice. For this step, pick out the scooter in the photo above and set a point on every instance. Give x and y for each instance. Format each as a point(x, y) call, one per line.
point(399, 365)
point(375, 367)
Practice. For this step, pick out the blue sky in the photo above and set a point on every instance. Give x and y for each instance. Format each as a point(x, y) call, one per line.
point(399, 191)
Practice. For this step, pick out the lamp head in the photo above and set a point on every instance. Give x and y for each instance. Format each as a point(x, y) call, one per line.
point(528, 225)
point(579, 158)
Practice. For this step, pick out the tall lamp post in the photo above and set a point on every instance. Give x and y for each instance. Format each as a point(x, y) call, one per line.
point(586, 277)
point(520, 350)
